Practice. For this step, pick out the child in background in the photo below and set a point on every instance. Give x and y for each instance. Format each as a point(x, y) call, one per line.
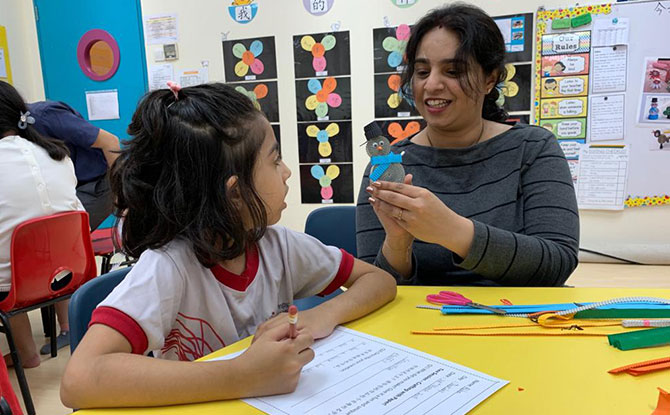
point(199, 188)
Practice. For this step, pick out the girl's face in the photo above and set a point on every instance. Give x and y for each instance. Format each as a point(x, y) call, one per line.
point(435, 83)
point(270, 176)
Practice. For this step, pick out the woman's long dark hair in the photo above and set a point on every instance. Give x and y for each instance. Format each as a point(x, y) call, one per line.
point(480, 42)
point(11, 107)
point(170, 180)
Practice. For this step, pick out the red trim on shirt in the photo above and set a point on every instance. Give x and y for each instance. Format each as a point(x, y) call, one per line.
point(242, 281)
point(343, 274)
point(124, 324)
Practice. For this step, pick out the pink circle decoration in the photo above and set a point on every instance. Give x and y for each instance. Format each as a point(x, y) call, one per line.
point(319, 64)
point(402, 32)
point(327, 192)
point(89, 39)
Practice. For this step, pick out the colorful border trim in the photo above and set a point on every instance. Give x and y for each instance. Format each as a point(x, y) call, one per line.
point(647, 201)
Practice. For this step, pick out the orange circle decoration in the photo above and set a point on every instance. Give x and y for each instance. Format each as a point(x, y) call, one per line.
point(98, 55)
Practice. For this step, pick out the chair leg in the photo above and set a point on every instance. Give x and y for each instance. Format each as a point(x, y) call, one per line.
point(52, 330)
point(20, 374)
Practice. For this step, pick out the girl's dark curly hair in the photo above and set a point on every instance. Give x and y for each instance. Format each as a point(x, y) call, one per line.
point(11, 107)
point(170, 179)
point(480, 42)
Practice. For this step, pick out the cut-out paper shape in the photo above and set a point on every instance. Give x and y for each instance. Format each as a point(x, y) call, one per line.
point(395, 98)
point(325, 179)
point(514, 91)
point(249, 58)
point(322, 136)
point(259, 92)
point(243, 11)
point(396, 130)
point(663, 405)
point(507, 88)
point(318, 50)
point(324, 96)
point(318, 7)
point(404, 3)
point(396, 45)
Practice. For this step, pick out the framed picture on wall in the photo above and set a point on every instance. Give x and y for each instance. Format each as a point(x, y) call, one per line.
point(250, 59)
point(325, 142)
point(263, 95)
point(389, 100)
point(517, 31)
point(389, 48)
point(326, 183)
point(323, 99)
point(321, 54)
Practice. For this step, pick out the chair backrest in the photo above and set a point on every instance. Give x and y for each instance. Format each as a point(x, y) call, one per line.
point(55, 247)
point(334, 225)
point(86, 298)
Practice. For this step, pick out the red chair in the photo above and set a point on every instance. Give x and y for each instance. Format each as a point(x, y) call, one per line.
point(51, 256)
point(103, 246)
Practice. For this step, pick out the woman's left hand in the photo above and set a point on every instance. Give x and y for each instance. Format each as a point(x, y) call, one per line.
point(317, 324)
point(423, 215)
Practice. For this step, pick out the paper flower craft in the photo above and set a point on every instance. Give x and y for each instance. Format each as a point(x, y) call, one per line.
point(396, 45)
point(259, 92)
point(325, 179)
point(322, 137)
point(323, 97)
point(249, 58)
point(395, 98)
point(396, 131)
point(318, 49)
point(507, 88)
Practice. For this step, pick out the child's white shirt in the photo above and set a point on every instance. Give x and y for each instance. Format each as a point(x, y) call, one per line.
point(172, 305)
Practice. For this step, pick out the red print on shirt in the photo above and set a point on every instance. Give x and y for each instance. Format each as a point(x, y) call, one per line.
point(188, 341)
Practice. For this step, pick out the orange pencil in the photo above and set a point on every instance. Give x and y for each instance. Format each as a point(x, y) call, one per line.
point(292, 321)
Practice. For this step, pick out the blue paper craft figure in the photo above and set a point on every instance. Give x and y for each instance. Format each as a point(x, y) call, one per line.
point(385, 165)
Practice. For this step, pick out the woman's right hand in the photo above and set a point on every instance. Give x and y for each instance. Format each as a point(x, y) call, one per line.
point(273, 362)
point(396, 235)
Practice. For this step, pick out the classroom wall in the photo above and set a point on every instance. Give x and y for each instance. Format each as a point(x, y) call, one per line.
point(638, 233)
point(19, 19)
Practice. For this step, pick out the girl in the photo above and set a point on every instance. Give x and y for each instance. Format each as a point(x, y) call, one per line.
point(37, 180)
point(198, 188)
point(491, 204)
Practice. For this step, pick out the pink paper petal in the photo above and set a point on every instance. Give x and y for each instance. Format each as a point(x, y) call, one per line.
point(319, 64)
point(402, 32)
point(257, 67)
point(334, 100)
point(327, 192)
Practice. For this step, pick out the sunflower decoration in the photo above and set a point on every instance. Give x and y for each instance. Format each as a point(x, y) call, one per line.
point(324, 96)
point(318, 50)
point(396, 131)
point(325, 179)
point(396, 45)
point(396, 97)
point(259, 92)
point(249, 58)
point(507, 88)
point(322, 136)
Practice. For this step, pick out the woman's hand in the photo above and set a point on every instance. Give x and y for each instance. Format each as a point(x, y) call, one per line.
point(421, 214)
point(316, 324)
point(397, 236)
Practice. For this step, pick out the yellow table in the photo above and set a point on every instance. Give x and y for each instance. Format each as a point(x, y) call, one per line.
point(563, 375)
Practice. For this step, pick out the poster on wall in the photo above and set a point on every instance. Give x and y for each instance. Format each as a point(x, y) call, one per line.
point(321, 54)
point(325, 142)
point(389, 45)
point(398, 129)
point(323, 99)
point(263, 95)
point(249, 59)
point(564, 86)
point(517, 31)
point(327, 183)
point(655, 100)
point(389, 100)
point(515, 89)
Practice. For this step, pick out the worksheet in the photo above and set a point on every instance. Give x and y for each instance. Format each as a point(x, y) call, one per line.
point(355, 373)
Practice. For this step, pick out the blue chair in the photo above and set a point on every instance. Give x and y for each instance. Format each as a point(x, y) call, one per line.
point(86, 298)
point(332, 225)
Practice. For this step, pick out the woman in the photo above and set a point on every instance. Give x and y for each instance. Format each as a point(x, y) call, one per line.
point(37, 180)
point(484, 203)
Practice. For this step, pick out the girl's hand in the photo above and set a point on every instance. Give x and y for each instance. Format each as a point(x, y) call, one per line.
point(420, 213)
point(318, 325)
point(396, 234)
point(272, 364)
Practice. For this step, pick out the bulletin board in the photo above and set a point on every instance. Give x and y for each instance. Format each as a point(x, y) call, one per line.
point(602, 78)
point(5, 67)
